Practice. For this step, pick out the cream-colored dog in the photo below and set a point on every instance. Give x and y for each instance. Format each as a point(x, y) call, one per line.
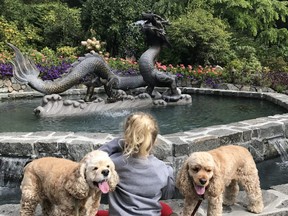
point(215, 175)
point(66, 188)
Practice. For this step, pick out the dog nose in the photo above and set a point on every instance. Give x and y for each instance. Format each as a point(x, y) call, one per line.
point(105, 172)
point(202, 181)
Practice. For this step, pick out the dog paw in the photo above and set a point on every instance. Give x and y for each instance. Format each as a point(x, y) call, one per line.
point(255, 208)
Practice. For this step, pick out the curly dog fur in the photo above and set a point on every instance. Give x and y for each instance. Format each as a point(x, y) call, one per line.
point(215, 175)
point(64, 188)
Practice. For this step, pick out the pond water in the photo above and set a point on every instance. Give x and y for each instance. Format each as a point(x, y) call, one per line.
point(206, 110)
point(271, 172)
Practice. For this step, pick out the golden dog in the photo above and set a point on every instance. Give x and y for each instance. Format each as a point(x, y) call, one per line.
point(218, 172)
point(66, 188)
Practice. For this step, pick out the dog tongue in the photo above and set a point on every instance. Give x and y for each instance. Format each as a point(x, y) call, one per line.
point(199, 189)
point(104, 187)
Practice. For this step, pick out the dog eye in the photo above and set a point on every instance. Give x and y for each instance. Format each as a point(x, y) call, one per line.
point(95, 168)
point(196, 169)
point(108, 166)
point(208, 170)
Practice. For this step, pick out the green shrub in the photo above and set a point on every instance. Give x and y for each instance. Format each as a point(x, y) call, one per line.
point(198, 37)
point(10, 33)
point(67, 52)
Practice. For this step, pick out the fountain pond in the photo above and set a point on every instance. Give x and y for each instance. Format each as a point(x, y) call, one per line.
point(205, 110)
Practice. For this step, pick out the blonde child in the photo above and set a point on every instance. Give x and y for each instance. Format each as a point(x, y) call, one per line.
point(144, 179)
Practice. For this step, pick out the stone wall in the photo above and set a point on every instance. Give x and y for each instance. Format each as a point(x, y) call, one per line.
point(10, 85)
point(10, 88)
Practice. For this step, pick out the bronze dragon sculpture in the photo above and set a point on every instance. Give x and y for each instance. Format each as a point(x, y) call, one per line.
point(153, 29)
point(92, 67)
point(96, 72)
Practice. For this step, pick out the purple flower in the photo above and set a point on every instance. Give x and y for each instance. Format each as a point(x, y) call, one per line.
point(6, 70)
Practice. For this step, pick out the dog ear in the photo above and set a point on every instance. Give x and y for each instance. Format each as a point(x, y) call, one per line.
point(216, 185)
point(82, 170)
point(114, 180)
point(76, 184)
point(183, 181)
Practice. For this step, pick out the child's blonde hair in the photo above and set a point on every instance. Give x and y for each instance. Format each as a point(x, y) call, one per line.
point(141, 130)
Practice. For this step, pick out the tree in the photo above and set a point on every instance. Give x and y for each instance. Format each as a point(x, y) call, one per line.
point(198, 37)
point(60, 24)
point(257, 18)
point(111, 20)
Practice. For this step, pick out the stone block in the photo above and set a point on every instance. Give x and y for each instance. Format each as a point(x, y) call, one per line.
point(63, 149)
point(285, 122)
point(10, 89)
point(178, 163)
point(7, 83)
point(227, 136)
point(270, 150)
point(78, 149)
point(247, 133)
point(11, 171)
point(162, 148)
point(16, 148)
point(180, 149)
point(204, 143)
point(257, 149)
point(16, 86)
point(4, 90)
point(46, 148)
point(271, 130)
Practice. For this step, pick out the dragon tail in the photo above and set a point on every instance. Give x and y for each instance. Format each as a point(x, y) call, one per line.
point(23, 68)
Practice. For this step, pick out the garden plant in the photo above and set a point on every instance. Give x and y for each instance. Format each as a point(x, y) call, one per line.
point(242, 42)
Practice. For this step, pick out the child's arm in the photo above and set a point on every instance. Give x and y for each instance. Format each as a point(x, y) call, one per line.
point(169, 190)
point(112, 147)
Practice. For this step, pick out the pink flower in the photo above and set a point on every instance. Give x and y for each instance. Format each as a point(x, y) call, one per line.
point(158, 64)
point(164, 67)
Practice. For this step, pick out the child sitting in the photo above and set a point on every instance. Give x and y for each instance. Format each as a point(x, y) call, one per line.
point(144, 179)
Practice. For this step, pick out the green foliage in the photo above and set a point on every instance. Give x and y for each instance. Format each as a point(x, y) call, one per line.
point(111, 20)
point(245, 69)
point(67, 51)
point(198, 37)
point(277, 64)
point(60, 25)
point(50, 24)
point(49, 57)
point(10, 33)
point(248, 38)
point(170, 8)
point(255, 18)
